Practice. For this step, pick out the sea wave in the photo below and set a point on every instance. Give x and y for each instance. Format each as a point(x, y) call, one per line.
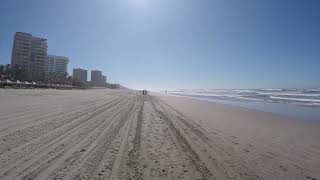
point(296, 99)
point(305, 97)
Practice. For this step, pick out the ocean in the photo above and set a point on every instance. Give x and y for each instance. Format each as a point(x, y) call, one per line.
point(298, 103)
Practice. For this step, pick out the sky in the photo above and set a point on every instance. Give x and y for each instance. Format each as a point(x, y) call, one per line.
point(172, 44)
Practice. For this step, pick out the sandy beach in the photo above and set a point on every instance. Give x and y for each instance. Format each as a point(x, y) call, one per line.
point(113, 134)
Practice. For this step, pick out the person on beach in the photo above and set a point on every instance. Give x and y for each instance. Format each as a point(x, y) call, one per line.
point(144, 92)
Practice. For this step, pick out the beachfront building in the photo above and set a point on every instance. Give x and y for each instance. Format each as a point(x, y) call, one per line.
point(56, 64)
point(80, 75)
point(29, 53)
point(104, 79)
point(96, 77)
point(56, 69)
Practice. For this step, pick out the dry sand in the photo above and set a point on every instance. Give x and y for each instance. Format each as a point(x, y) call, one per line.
point(104, 134)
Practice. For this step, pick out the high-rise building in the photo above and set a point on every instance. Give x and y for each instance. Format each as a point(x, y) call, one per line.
point(29, 53)
point(96, 77)
point(104, 79)
point(80, 75)
point(56, 64)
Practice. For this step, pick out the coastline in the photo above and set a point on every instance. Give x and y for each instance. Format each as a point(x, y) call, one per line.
point(274, 145)
point(287, 110)
point(78, 133)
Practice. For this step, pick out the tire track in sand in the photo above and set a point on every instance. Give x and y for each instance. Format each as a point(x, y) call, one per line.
point(216, 157)
point(134, 154)
point(20, 137)
point(130, 137)
point(53, 144)
point(183, 142)
point(110, 165)
point(88, 166)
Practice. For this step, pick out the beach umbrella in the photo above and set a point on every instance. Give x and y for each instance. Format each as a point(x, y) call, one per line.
point(18, 82)
point(34, 83)
point(26, 82)
point(8, 81)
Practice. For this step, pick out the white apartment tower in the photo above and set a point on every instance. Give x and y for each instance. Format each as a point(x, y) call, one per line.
point(29, 53)
point(56, 65)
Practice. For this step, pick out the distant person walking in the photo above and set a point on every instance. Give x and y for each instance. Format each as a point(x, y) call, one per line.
point(144, 92)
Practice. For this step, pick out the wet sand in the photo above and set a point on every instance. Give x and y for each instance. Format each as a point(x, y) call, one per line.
point(272, 146)
point(105, 134)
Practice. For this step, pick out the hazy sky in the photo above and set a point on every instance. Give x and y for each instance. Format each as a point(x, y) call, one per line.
point(177, 43)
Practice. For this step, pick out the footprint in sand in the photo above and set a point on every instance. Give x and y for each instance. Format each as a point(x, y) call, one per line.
point(246, 150)
point(283, 168)
point(312, 178)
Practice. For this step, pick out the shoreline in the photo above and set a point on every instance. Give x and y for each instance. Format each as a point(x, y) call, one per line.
point(102, 133)
point(274, 145)
point(291, 111)
point(177, 100)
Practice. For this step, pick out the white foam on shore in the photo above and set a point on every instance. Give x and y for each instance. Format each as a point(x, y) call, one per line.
point(290, 94)
point(296, 99)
